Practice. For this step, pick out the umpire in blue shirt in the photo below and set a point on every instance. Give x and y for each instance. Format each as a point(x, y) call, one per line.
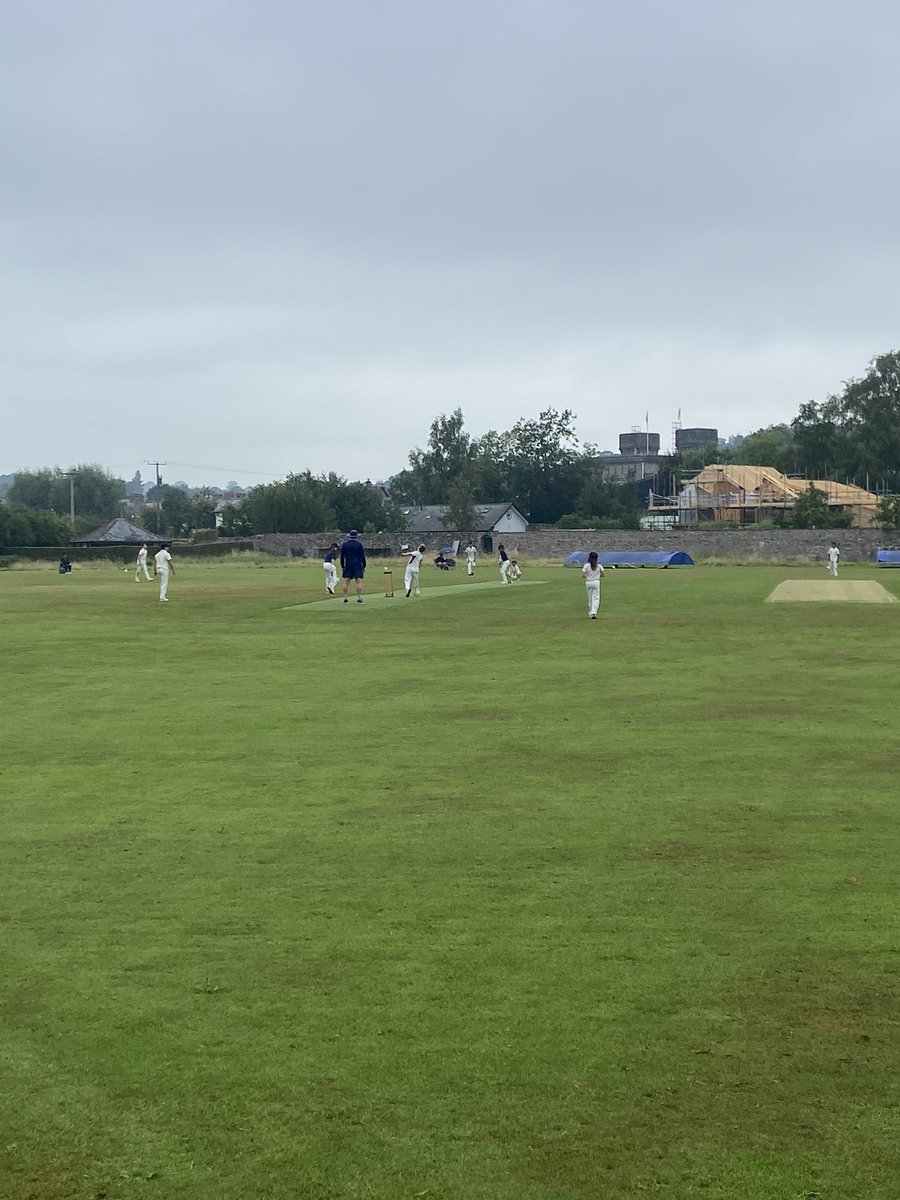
point(353, 564)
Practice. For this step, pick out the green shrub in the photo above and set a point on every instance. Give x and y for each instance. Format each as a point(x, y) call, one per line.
point(580, 521)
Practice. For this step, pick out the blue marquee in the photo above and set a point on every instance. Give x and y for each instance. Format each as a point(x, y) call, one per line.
point(632, 558)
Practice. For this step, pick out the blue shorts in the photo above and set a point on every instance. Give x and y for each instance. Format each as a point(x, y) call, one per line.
point(356, 572)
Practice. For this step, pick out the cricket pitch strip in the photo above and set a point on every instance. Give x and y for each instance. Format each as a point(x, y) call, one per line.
point(855, 591)
point(370, 598)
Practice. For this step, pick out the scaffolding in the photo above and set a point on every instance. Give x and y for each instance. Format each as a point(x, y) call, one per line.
point(746, 495)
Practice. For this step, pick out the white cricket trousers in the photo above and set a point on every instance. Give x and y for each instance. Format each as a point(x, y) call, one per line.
point(593, 593)
point(137, 572)
point(411, 582)
point(832, 567)
point(470, 567)
point(330, 576)
point(504, 572)
point(163, 582)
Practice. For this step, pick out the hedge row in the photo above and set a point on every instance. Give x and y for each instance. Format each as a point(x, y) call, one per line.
point(123, 554)
point(208, 549)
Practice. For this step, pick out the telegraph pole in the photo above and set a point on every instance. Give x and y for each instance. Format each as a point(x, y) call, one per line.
point(150, 462)
point(71, 478)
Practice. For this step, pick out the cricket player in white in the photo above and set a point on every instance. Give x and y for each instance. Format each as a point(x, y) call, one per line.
point(141, 565)
point(834, 554)
point(503, 563)
point(331, 569)
point(162, 565)
point(411, 576)
point(471, 552)
point(592, 573)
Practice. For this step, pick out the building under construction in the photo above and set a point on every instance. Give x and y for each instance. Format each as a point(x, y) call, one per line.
point(747, 495)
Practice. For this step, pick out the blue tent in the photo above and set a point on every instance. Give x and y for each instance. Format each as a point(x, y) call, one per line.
point(633, 558)
point(888, 558)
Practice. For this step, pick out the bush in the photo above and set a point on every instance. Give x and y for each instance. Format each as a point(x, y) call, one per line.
point(21, 526)
point(580, 521)
point(201, 536)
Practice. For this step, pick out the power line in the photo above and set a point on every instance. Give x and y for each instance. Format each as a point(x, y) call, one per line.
point(157, 463)
point(226, 470)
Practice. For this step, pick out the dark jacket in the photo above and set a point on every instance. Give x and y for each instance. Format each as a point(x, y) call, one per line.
point(353, 554)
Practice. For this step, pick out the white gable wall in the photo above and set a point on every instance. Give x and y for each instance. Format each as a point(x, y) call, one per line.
point(511, 521)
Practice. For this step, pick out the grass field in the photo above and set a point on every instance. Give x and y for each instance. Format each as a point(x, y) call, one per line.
point(468, 898)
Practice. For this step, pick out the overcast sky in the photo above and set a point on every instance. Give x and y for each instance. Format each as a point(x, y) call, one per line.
point(254, 238)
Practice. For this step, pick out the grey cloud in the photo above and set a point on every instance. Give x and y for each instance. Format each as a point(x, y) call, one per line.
point(315, 218)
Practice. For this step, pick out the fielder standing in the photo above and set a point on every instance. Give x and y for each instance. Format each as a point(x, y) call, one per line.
point(162, 565)
point(471, 554)
point(141, 564)
point(592, 573)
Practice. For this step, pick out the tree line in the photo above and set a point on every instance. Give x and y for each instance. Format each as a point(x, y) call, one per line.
point(307, 503)
point(538, 465)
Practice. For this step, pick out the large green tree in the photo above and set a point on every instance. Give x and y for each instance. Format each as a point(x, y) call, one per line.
point(97, 494)
point(854, 434)
point(460, 511)
point(32, 489)
point(600, 498)
point(772, 446)
point(21, 526)
point(870, 419)
point(820, 444)
point(173, 512)
point(295, 505)
point(491, 481)
point(449, 456)
point(888, 512)
point(358, 504)
point(811, 511)
point(541, 456)
point(306, 503)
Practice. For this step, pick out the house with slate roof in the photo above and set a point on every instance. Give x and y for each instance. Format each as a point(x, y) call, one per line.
point(118, 532)
point(499, 519)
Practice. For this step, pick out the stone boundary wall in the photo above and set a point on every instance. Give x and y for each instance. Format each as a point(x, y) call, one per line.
point(857, 545)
